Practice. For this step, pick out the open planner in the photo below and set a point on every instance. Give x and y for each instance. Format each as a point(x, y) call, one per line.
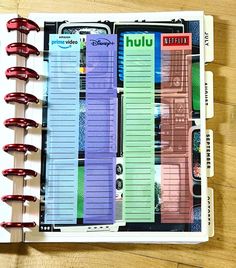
point(103, 127)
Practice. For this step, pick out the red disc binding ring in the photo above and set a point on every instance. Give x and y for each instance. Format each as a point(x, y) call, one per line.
point(19, 172)
point(20, 122)
point(18, 224)
point(22, 25)
point(22, 49)
point(22, 73)
point(21, 198)
point(20, 97)
point(20, 148)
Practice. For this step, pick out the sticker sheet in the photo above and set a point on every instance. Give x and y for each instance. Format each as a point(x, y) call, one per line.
point(121, 127)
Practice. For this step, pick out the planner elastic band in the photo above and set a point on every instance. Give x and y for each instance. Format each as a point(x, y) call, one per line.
point(62, 130)
point(101, 122)
point(138, 127)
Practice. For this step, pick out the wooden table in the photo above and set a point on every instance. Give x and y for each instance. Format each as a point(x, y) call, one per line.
point(221, 250)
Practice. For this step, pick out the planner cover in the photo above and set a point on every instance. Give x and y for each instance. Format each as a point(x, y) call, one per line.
point(121, 128)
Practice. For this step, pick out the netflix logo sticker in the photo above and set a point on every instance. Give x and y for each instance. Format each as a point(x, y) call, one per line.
point(176, 41)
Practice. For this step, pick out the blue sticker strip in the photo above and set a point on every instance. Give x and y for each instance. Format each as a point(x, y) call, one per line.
point(101, 129)
point(62, 130)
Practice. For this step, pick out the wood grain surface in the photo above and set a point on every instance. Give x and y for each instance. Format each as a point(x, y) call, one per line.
point(220, 251)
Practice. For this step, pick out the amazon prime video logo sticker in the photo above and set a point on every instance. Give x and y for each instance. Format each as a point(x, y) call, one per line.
point(60, 42)
point(64, 44)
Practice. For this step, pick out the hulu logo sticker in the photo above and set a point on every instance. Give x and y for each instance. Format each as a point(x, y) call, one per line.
point(138, 128)
point(139, 40)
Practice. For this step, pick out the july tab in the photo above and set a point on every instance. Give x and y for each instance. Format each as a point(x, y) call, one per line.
point(209, 38)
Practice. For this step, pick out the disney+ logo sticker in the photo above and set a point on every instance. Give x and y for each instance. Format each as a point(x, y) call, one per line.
point(101, 42)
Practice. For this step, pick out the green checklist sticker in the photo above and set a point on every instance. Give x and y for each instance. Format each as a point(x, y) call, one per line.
point(138, 127)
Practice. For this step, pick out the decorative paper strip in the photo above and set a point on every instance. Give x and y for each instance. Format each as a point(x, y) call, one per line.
point(80, 199)
point(176, 133)
point(62, 130)
point(138, 127)
point(101, 129)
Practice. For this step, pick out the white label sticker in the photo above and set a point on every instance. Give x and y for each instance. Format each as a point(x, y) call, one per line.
point(209, 153)
point(210, 204)
point(209, 38)
point(209, 100)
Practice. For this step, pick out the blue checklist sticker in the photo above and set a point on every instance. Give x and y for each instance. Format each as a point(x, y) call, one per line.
point(62, 130)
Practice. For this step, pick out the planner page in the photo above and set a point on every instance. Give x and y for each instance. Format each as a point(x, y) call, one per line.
point(122, 128)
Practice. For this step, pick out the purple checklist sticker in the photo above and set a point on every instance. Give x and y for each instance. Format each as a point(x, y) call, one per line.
point(101, 129)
